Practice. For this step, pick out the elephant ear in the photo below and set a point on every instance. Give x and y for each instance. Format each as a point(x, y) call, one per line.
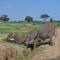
point(14, 34)
point(27, 37)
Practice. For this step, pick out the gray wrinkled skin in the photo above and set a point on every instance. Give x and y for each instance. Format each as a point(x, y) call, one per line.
point(17, 38)
point(37, 36)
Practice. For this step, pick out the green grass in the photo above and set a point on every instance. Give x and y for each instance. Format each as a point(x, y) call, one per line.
point(17, 27)
point(27, 54)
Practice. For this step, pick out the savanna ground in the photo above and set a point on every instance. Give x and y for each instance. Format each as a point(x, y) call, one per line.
point(11, 51)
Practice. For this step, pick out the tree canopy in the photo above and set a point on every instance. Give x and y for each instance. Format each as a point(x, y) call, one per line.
point(44, 17)
point(51, 19)
point(28, 18)
point(4, 18)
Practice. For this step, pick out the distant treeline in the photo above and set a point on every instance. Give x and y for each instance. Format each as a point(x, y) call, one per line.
point(32, 21)
point(29, 19)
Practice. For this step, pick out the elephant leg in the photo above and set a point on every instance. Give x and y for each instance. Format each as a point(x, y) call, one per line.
point(51, 41)
point(35, 43)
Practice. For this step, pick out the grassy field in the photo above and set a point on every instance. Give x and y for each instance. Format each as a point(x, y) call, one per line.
point(19, 52)
point(22, 53)
point(17, 27)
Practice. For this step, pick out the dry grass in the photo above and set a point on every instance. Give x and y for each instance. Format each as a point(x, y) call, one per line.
point(11, 51)
point(8, 52)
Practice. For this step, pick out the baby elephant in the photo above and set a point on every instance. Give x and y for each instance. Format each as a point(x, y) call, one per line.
point(17, 38)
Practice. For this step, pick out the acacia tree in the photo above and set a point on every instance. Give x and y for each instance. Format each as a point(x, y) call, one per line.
point(51, 19)
point(4, 18)
point(28, 19)
point(44, 17)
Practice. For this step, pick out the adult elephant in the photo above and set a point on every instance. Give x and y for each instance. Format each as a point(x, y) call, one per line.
point(36, 36)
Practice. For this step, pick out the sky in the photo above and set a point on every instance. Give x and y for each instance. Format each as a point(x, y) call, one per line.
point(19, 9)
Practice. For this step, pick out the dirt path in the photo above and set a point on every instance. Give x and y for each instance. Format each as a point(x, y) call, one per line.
point(51, 52)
